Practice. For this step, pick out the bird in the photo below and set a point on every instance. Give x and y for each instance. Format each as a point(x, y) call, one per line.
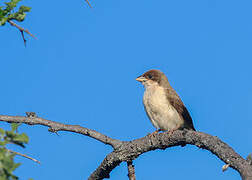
point(162, 104)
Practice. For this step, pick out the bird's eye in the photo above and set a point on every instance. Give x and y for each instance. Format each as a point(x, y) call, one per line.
point(150, 76)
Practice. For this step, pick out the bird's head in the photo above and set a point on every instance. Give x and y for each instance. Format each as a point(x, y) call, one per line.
point(153, 77)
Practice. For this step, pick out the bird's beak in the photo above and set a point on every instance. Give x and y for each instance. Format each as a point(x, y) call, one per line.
point(141, 79)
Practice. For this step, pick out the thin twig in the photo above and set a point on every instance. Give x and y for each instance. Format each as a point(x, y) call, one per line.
point(22, 30)
point(131, 171)
point(24, 155)
point(22, 33)
point(88, 3)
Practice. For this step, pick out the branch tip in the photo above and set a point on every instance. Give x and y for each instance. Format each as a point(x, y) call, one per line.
point(225, 167)
point(88, 3)
point(24, 155)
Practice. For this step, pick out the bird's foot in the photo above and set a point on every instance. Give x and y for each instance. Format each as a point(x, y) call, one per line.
point(154, 133)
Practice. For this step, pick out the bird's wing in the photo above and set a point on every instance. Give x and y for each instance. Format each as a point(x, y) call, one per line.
point(177, 103)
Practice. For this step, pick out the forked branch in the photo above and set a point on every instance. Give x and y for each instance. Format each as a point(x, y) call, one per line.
point(127, 151)
point(22, 30)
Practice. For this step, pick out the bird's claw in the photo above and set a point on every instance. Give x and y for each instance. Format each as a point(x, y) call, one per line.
point(154, 133)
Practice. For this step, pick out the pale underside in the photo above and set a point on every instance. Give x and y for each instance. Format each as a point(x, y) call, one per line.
point(160, 112)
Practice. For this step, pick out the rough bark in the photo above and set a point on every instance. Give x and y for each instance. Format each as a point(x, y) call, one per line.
point(131, 170)
point(127, 151)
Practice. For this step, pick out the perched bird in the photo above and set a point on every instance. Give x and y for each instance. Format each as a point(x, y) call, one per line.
point(162, 104)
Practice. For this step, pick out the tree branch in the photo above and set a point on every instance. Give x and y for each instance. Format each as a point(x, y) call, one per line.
point(110, 162)
point(131, 171)
point(22, 30)
point(88, 3)
point(55, 127)
point(131, 150)
point(127, 151)
point(23, 155)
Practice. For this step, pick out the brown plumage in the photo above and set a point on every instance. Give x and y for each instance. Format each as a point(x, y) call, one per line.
point(162, 104)
point(177, 103)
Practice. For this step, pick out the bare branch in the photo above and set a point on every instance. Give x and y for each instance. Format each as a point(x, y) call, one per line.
point(110, 162)
point(55, 126)
point(131, 171)
point(23, 155)
point(129, 151)
point(88, 3)
point(22, 30)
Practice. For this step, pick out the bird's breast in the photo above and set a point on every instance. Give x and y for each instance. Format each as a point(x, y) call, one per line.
point(159, 110)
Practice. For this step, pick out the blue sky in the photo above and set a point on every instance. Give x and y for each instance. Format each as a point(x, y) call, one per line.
point(82, 70)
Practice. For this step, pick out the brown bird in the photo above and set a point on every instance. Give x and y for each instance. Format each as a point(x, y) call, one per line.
point(162, 104)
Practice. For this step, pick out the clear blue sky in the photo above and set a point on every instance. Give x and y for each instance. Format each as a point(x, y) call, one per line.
point(82, 70)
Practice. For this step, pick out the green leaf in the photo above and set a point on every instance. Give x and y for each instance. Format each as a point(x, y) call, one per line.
point(24, 9)
point(23, 138)
point(8, 162)
point(14, 177)
point(15, 1)
point(2, 153)
point(6, 12)
point(2, 176)
point(10, 134)
point(2, 131)
point(2, 13)
point(11, 5)
point(15, 166)
point(14, 126)
point(2, 143)
point(3, 21)
point(20, 17)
